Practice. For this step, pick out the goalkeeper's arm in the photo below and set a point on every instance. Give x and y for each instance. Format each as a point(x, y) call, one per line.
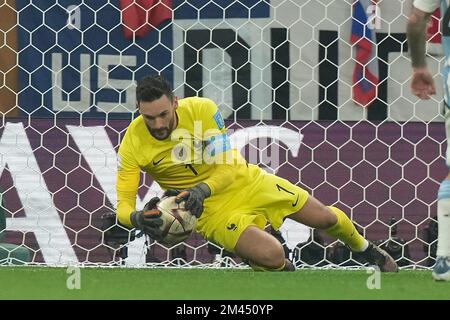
point(128, 176)
point(223, 175)
point(147, 220)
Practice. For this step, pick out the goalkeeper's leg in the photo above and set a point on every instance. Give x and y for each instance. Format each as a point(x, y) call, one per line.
point(262, 250)
point(336, 223)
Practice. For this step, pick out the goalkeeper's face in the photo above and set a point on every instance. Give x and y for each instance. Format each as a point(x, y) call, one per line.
point(160, 116)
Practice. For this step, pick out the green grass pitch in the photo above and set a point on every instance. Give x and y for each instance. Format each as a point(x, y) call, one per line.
point(211, 284)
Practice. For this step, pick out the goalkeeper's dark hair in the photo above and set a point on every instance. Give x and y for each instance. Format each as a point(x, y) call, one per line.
point(152, 88)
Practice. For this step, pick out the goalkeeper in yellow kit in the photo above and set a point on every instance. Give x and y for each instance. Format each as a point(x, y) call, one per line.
point(183, 145)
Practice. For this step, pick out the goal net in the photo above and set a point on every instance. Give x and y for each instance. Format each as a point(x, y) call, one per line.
point(288, 77)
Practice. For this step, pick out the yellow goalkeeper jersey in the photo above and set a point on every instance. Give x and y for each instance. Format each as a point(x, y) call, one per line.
point(198, 150)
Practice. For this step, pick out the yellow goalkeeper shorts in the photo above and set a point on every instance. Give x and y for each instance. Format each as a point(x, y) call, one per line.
point(267, 198)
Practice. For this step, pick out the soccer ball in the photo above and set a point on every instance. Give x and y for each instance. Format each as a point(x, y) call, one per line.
point(178, 223)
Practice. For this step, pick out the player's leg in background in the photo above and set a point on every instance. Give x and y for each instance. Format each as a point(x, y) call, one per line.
point(441, 270)
point(336, 224)
point(334, 221)
point(262, 250)
point(241, 232)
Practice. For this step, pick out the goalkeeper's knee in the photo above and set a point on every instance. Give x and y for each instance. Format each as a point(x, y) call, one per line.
point(287, 266)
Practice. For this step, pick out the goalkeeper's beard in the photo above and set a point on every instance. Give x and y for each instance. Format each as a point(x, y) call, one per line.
point(160, 134)
point(163, 133)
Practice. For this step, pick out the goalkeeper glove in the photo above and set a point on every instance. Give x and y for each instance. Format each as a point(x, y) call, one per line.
point(193, 197)
point(149, 219)
point(115, 234)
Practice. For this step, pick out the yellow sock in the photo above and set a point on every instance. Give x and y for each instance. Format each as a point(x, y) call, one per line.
point(345, 231)
point(256, 267)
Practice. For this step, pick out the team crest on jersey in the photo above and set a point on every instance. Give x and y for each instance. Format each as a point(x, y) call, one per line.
point(181, 153)
point(219, 120)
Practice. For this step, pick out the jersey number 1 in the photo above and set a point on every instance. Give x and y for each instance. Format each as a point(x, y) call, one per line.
point(192, 169)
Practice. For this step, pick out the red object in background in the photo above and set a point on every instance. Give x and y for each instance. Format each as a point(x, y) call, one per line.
point(142, 16)
point(363, 38)
point(433, 31)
